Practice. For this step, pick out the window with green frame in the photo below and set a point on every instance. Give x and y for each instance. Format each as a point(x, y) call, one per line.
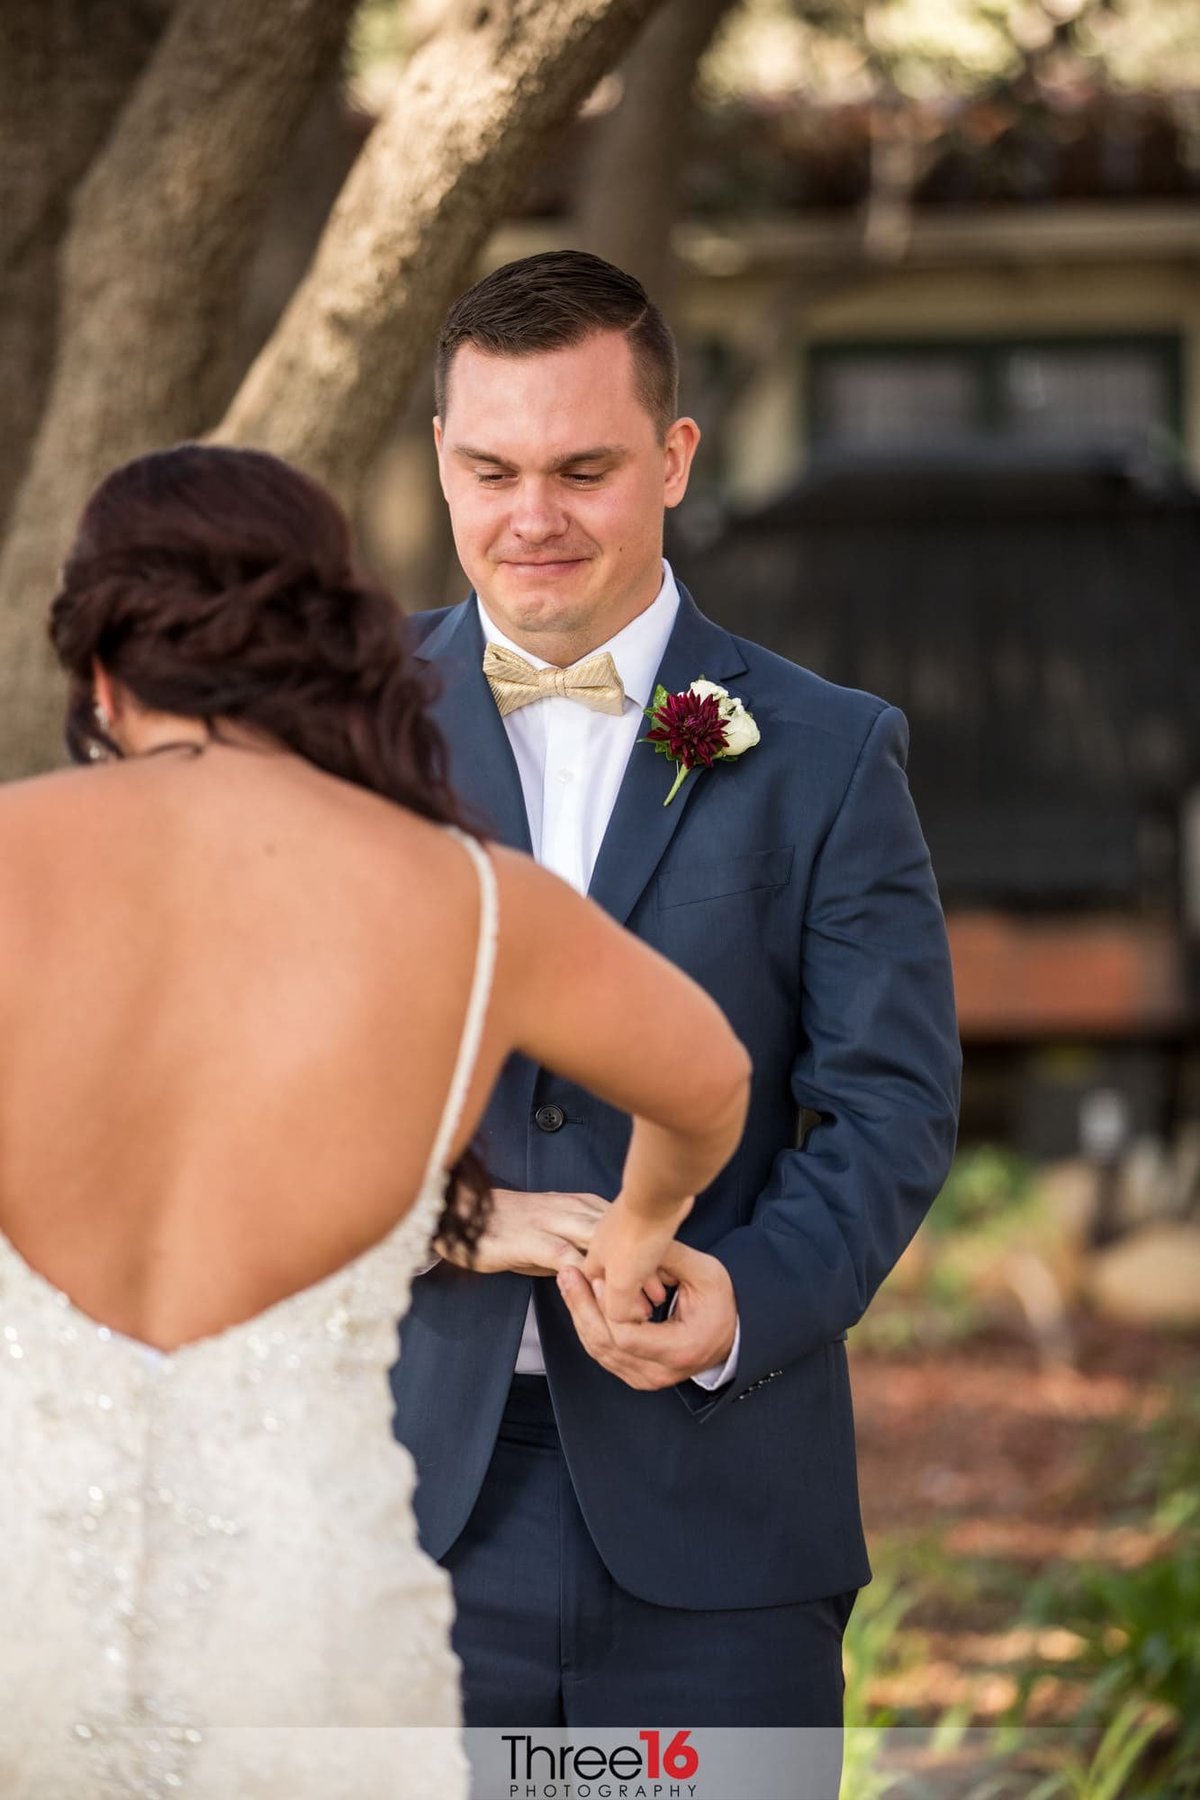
point(874, 395)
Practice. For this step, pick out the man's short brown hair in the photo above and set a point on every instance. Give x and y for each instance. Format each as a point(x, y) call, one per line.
point(553, 301)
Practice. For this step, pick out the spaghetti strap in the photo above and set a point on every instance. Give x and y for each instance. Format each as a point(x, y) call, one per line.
point(477, 1004)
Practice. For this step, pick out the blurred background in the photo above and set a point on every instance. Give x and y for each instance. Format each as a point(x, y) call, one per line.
point(934, 266)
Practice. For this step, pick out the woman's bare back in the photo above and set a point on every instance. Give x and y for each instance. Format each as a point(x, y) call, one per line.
point(231, 993)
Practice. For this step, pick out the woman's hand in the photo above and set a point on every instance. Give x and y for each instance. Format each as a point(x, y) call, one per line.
point(624, 1258)
point(531, 1234)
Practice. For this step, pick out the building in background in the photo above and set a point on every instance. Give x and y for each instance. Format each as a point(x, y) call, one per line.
point(952, 455)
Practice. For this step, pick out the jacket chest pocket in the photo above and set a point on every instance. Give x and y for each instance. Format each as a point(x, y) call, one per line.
point(718, 877)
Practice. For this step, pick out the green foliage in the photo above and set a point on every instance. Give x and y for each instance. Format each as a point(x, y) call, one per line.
point(942, 1315)
point(1141, 1629)
point(988, 1204)
point(985, 1186)
point(383, 38)
point(874, 1646)
point(1105, 1773)
point(875, 1643)
point(1166, 1470)
point(658, 700)
point(863, 1777)
point(1136, 1732)
point(941, 51)
point(1105, 1658)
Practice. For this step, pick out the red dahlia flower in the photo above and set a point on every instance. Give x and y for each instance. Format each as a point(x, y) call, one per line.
point(688, 729)
point(691, 727)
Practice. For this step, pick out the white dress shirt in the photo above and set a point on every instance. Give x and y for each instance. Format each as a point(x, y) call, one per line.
point(571, 760)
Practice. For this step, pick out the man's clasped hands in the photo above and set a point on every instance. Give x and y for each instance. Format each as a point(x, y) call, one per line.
point(566, 1236)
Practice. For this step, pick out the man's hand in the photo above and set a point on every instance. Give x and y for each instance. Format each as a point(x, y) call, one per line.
point(697, 1336)
point(532, 1234)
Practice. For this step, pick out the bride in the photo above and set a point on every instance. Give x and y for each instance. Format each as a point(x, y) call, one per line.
point(257, 981)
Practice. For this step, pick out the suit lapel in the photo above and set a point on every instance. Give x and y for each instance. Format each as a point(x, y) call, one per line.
point(641, 827)
point(483, 769)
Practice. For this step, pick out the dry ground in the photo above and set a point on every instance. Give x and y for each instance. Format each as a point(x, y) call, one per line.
point(983, 1469)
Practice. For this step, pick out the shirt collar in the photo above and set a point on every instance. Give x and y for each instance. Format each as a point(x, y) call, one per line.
point(637, 649)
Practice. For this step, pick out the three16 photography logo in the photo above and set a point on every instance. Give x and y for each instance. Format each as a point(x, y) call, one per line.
point(653, 1762)
point(654, 1767)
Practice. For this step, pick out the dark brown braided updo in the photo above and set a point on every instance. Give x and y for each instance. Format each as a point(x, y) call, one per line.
point(219, 584)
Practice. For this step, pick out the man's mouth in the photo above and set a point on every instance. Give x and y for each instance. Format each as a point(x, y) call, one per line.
point(543, 562)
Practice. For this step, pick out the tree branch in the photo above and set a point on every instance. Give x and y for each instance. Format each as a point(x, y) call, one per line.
point(65, 71)
point(162, 228)
point(462, 133)
point(641, 147)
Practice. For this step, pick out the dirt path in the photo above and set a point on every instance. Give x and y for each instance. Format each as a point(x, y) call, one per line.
point(981, 1469)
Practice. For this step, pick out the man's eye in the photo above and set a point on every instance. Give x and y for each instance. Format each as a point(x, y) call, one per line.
point(584, 480)
point(490, 477)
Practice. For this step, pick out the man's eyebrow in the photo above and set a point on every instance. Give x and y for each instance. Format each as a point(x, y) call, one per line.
point(469, 454)
point(595, 453)
point(601, 453)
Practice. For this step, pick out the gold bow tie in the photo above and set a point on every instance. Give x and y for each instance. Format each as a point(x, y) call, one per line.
point(593, 682)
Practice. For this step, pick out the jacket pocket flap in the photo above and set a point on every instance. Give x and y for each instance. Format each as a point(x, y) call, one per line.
point(714, 878)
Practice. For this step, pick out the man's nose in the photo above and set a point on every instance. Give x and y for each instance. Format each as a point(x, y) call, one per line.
point(537, 513)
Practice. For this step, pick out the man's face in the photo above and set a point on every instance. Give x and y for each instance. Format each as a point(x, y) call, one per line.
point(556, 483)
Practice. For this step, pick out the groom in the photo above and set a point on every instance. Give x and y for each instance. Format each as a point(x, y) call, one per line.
point(660, 1522)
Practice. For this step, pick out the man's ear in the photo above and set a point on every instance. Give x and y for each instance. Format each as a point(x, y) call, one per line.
point(679, 451)
point(439, 444)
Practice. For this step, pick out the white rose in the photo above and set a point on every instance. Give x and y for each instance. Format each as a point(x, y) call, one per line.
point(741, 733)
point(709, 687)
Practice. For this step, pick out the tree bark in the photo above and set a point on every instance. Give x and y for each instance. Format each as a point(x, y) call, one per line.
point(65, 70)
point(641, 147)
point(318, 162)
point(472, 113)
point(163, 225)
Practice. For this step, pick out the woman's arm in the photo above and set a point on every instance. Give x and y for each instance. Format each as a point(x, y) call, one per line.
point(579, 995)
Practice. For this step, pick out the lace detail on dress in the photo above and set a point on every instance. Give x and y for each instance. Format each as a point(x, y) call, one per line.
point(213, 1586)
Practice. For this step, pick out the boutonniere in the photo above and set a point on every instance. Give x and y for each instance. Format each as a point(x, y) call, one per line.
point(701, 726)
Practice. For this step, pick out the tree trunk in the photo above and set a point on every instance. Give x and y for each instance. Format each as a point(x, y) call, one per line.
point(641, 147)
point(318, 162)
point(65, 70)
point(471, 115)
point(162, 229)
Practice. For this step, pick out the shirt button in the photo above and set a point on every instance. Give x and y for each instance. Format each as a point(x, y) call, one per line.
point(549, 1118)
point(566, 776)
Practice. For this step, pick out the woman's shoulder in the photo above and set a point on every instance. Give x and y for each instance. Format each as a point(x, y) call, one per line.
point(31, 790)
point(34, 805)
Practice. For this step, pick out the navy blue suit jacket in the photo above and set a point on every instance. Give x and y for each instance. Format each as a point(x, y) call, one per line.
point(794, 885)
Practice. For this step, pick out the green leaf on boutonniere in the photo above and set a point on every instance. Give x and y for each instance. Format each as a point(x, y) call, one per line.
point(658, 698)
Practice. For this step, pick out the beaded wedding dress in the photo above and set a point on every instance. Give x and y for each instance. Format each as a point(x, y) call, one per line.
point(211, 1585)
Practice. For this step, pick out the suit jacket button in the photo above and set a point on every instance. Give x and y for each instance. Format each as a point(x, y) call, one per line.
point(549, 1118)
